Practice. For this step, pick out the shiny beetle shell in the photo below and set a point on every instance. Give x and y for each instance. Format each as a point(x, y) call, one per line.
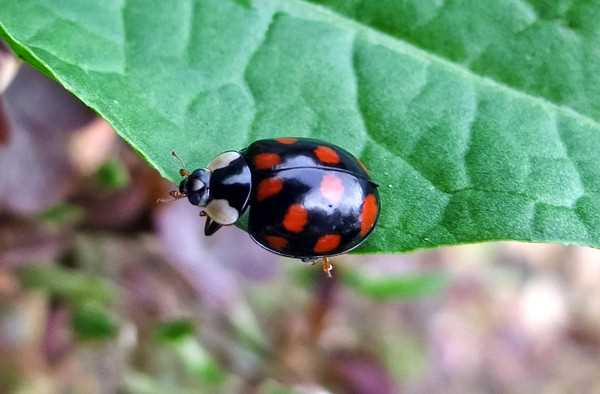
point(309, 199)
point(305, 198)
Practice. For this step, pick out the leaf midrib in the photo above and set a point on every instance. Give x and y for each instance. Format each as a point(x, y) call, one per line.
point(422, 53)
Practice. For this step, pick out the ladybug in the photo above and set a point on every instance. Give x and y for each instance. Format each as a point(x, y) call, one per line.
point(306, 198)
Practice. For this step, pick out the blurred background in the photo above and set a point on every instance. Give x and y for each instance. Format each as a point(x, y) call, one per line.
point(104, 291)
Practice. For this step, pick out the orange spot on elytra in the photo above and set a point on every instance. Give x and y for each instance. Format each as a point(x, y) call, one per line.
point(268, 187)
point(276, 242)
point(327, 155)
point(286, 141)
point(332, 188)
point(295, 218)
point(368, 214)
point(266, 161)
point(327, 243)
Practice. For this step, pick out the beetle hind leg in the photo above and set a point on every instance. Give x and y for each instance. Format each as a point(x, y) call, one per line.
point(327, 266)
point(325, 262)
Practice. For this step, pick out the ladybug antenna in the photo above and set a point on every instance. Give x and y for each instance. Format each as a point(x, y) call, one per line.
point(183, 172)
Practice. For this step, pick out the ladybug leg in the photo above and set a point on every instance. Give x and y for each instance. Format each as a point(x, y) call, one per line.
point(327, 266)
point(210, 226)
point(174, 196)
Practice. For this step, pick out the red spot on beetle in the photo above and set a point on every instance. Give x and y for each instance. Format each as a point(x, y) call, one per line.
point(332, 188)
point(327, 243)
point(266, 161)
point(268, 187)
point(276, 242)
point(368, 214)
point(286, 141)
point(295, 218)
point(327, 155)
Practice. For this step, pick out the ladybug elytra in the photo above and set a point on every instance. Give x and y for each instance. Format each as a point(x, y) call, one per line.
point(306, 198)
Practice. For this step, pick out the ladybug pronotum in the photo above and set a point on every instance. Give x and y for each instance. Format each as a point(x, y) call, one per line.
point(307, 199)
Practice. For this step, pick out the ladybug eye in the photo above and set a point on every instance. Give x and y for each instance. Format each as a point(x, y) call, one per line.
point(196, 185)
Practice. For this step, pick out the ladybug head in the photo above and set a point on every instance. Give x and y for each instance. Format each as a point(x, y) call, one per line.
point(195, 186)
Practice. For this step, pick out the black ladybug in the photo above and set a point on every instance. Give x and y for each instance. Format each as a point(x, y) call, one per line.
point(307, 199)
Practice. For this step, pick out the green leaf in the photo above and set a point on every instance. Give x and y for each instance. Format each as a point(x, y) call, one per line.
point(72, 285)
point(395, 287)
point(62, 214)
point(93, 321)
point(273, 387)
point(113, 175)
point(179, 335)
point(197, 361)
point(175, 330)
point(479, 119)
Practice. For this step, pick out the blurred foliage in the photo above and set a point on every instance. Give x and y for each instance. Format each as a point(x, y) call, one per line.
point(72, 285)
point(394, 288)
point(62, 214)
point(93, 321)
point(113, 175)
point(175, 331)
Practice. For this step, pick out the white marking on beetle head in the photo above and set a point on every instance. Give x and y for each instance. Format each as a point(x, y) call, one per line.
point(221, 212)
point(223, 160)
point(197, 184)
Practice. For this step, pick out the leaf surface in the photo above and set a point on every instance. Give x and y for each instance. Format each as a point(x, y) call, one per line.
point(479, 120)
